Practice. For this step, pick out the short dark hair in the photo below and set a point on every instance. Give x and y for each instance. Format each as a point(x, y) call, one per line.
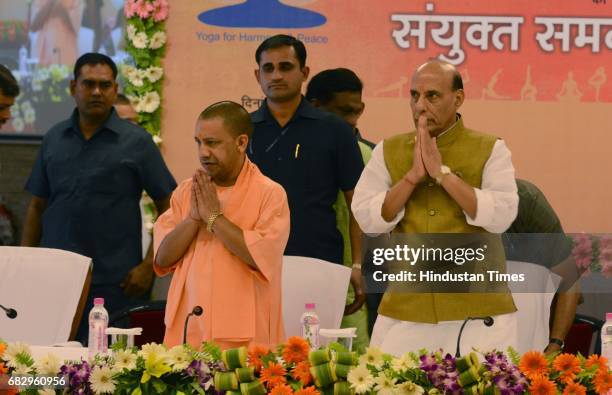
point(122, 99)
point(234, 116)
point(457, 81)
point(282, 40)
point(324, 85)
point(8, 83)
point(93, 58)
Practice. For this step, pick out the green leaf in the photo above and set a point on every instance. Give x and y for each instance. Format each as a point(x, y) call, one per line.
point(137, 391)
point(159, 385)
point(514, 356)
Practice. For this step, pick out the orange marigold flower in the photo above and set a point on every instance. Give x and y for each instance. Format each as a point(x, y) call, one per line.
point(574, 389)
point(255, 354)
point(533, 364)
point(541, 385)
point(296, 350)
point(2, 348)
point(602, 382)
point(302, 372)
point(273, 375)
point(3, 369)
point(307, 391)
point(282, 389)
point(596, 360)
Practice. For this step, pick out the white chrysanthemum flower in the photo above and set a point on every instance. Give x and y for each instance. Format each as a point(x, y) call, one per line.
point(22, 369)
point(18, 124)
point(154, 73)
point(179, 357)
point(434, 391)
point(157, 40)
point(46, 391)
point(409, 388)
point(131, 31)
point(29, 116)
point(49, 365)
point(136, 77)
point(150, 102)
point(128, 70)
point(360, 379)
point(125, 359)
point(402, 364)
point(157, 140)
point(101, 380)
point(158, 350)
point(373, 356)
point(43, 74)
point(384, 385)
point(140, 40)
point(36, 85)
point(26, 105)
point(17, 351)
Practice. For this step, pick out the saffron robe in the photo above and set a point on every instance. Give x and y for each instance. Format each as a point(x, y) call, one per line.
point(241, 305)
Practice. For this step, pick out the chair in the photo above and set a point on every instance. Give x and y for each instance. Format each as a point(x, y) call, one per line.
point(148, 316)
point(311, 280)
point(48, 288)
point(584, 336)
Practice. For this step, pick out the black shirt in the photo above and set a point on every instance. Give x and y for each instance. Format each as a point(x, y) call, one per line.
point(93, 189)
point(313, 157)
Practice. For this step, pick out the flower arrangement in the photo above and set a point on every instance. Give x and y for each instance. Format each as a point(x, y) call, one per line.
point(145, 41)
point(593, 253)
point(292, 368)
point(566, 373)
point(46, 86)
point(12, 33)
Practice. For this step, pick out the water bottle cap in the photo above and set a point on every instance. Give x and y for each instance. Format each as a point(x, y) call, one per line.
point(98, 301)
point(608, 316)
point(310, 306)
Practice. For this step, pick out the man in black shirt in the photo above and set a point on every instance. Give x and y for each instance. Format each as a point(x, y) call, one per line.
point(311, 153)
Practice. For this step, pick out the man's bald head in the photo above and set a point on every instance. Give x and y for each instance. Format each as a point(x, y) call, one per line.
point(236, 119)
point(446, 68)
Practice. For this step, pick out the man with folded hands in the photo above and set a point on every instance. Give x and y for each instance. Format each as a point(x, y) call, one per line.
point(224, 237)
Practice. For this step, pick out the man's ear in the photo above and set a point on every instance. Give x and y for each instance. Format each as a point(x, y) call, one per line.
point(306, 72)
point(257, 75)
point(72, 87)
point(459, 98)
point(242, 142)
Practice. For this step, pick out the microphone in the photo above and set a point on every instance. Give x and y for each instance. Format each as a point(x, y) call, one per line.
point(10, 313)
point(488, 321)
point(197, 311)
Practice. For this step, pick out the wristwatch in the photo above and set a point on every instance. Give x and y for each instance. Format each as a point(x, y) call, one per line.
point(558, 342)
point(444, 170)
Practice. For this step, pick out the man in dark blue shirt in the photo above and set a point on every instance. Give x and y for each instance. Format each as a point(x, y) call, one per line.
point(311, 153)
point(87, 183)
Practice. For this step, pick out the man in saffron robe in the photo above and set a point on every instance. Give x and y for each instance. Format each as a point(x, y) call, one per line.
point(224, 237)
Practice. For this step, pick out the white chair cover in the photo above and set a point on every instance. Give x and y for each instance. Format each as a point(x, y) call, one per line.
point(311, 280)
point(44, 285)
point(532, 298)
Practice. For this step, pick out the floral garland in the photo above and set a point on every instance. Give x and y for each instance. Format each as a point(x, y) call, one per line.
point(294, 369)
point(146, 43)
point(593, 253)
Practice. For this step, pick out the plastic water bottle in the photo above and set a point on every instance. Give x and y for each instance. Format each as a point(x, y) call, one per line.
point(23, 60)
point(310, 325)
point(606, 339)
point(98, 322)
